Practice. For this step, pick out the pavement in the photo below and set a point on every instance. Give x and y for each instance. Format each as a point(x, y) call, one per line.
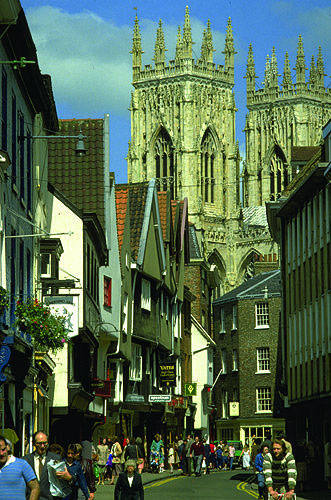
point(148, 478)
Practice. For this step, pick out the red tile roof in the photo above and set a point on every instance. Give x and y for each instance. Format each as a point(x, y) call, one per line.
point(121, 195)
point(137, 201)
point(162, 198)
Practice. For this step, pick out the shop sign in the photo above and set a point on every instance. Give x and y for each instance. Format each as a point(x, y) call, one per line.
point(65, 305)
point(159, 398)
point(167, 374)
point(190, 389)
point(134, 398)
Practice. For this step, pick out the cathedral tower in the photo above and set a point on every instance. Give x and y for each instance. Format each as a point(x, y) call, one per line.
point(280, 118)
point(183, 123)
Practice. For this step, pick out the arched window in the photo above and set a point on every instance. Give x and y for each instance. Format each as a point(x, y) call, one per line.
point(278, 173)
point(208, 168)
point(164, 163)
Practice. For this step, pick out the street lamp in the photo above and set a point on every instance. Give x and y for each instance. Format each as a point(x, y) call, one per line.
point(80, 149)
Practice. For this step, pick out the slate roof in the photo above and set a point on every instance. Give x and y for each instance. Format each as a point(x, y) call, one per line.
point(303, 153)
point(79, 178)
point(255, 216)
point(194, 244)
point(137, 201)
point(255, 287)
point(304, 171)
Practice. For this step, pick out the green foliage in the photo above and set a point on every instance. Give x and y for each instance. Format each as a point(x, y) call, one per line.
point(48, 331)
point(4, 299)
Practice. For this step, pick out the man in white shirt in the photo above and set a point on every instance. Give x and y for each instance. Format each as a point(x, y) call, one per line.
point(38, 460)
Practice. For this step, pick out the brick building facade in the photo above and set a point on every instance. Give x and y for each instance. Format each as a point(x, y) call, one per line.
point(247, 359)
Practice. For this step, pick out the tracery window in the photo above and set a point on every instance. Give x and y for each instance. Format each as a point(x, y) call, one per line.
point(278, 174)
point(164, 163)
point(208, 168)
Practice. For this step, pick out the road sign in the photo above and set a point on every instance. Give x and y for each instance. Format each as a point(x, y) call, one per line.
point(159, 398)
point(190, 389)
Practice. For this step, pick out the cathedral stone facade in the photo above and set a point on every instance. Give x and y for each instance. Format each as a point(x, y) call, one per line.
point(183, 134)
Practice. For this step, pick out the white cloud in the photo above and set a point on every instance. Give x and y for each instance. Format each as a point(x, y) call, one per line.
point(88, 58)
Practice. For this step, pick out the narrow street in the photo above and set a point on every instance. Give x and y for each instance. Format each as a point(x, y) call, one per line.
point(224, 485)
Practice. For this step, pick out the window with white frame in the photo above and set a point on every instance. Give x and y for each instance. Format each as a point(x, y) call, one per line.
point(145, 294)
point(125, 313)
point(136, 363)
point(234, 317)
point(178, 376)
point(235, 360)
point(115, 375)
point(222, 321)
point(223, 360)
point(263, 399)
point(263, 359)
point(262, 315)
point(225, 405)
point(161, 304)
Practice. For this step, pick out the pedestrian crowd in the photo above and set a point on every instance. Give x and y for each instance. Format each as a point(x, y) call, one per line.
point(53, 473)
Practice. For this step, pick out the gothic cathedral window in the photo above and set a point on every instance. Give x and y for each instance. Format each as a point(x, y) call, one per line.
point(278, 174)
point(164, 163)
point(208, 168)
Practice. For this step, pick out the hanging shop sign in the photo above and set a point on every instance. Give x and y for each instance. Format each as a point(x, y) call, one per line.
point(65, 305)
point(190, 389)
point(167, 374)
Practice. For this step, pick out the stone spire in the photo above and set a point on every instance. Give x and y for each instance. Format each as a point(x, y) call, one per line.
point(312, 73)
point(207, 47)
point(287, 83)
point(136, 49)
point(274, 70)
point(179, 45)
point(267, 70)
point(320, 69)
point(229, 52)
point(159, 51)
point(187, 36)
point(250, 73)
point(300, 66)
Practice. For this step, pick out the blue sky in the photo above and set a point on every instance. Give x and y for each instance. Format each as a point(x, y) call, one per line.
point(85, 46)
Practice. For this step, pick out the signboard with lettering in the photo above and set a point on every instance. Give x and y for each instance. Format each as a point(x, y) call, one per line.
point(190, 389)
point(159, 398)
point(167, 374)
point(65, 305)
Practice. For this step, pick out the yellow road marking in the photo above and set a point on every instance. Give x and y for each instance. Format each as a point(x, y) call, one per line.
point(242, 487)
point(159, 483)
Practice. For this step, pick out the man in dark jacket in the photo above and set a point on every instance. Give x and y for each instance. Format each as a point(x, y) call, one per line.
point(182, 449)
point(129, 485)
point(38, 461)
point(197, 451)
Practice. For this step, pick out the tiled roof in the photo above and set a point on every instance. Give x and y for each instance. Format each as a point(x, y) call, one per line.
point(137, 201)
point(255, 216)
point(194, 244)
point(302, 174)
point(121, 195)
point(162, 199)
point(79, 178)
point(303, 153)
point(255, 287)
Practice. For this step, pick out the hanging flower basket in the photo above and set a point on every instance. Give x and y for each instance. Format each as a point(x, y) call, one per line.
point(4, 300)
point(47, 330)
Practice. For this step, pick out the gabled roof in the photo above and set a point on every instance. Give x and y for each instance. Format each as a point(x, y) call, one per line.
point(80, 178)
point(303, 153)
point(195, 252)
point(256, 287)
point(304, 172)
point(121, 196)
point(137, 194)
